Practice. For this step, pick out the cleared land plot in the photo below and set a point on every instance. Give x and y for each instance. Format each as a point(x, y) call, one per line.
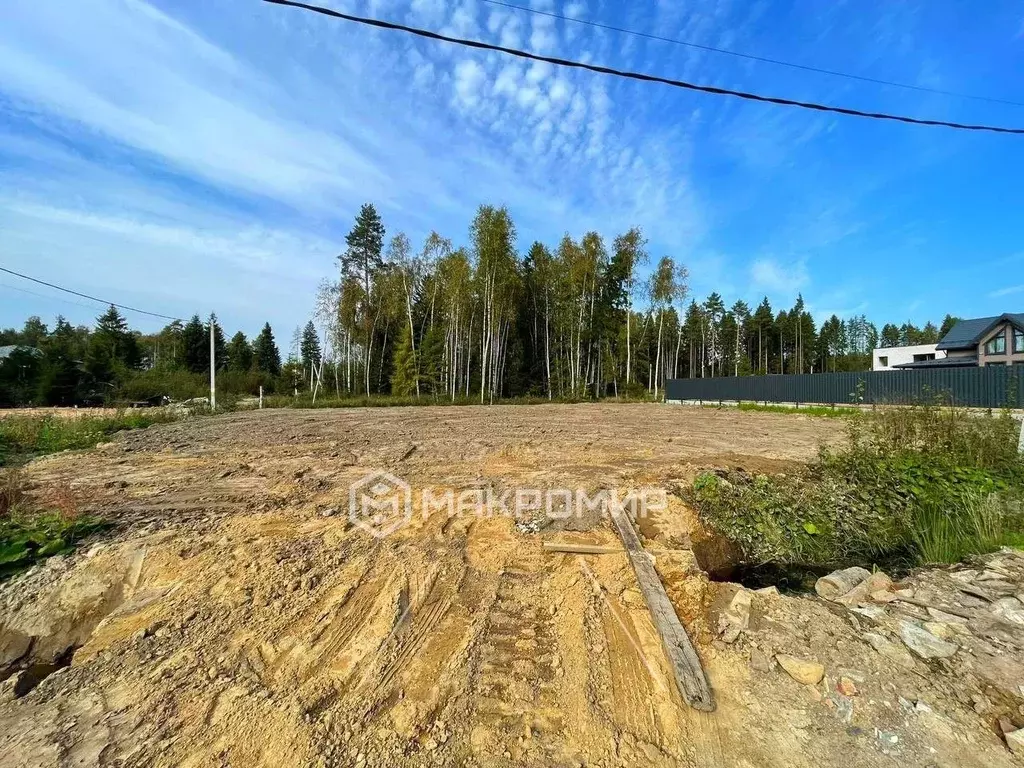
point(236, 617)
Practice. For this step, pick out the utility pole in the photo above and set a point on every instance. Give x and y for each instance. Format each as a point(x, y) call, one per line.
point(213, 370)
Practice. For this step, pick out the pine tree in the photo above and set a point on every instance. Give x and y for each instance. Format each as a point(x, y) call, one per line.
point(360, 263)
point(61, 375)
point(947, 324)
point(240, 354)
point(195, 352)
point(309, 348)
point(268, 358)
point(890, 335)
point(404, 374)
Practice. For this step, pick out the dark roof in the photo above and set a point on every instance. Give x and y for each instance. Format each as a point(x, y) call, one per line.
point(964, 361)
point(968, 333)
point(10, 349)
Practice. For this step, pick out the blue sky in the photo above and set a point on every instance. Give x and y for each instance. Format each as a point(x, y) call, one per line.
point(196, 155)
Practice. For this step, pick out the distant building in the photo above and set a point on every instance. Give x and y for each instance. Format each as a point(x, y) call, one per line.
point(10, 349)
point(979, 342)
point(891, 358)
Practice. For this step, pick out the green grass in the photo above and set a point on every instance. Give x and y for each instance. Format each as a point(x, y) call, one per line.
point(29, 534)
point(911, 486)
point(829, 412)
point(23, 437)
point(27, 538)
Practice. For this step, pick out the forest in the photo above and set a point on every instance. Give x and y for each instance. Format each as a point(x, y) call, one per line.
point(579, 319)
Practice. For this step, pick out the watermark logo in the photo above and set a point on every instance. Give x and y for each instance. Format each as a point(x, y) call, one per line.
point(380, 503)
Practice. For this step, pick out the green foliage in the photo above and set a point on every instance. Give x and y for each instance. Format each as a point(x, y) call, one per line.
point(918, 484)
point(240, 354)
point(404, 375)
point(268, 358)
point(804, 410)
point(26, 539)
point(22, 437)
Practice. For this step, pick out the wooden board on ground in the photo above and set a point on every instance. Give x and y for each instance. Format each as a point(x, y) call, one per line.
point(581, 549)
point(690, 677)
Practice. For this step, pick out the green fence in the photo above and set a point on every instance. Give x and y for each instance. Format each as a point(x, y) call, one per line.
point(988, 387)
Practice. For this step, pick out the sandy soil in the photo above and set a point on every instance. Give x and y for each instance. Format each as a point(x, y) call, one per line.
point(237, 617)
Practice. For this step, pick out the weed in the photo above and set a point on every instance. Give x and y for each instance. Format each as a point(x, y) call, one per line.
point(917, 484)
point(29, 534)
point(22, 437)
point(840, 412)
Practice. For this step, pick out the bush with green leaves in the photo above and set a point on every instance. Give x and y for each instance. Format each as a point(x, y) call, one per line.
point(911, 485)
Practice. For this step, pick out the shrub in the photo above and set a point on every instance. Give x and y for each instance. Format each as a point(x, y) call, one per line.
point(918, 484)
point(28, 534)
point(25, 436)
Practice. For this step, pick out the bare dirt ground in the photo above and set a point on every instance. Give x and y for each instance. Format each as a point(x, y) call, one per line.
point(236, 618)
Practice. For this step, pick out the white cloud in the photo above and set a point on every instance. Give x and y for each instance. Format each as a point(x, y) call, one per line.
point(469, 78)
point(1008, 291)
point(575, 9)
point(768, 275)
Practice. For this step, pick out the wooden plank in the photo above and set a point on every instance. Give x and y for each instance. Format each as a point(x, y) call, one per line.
point(581, 549)
point(691, 680)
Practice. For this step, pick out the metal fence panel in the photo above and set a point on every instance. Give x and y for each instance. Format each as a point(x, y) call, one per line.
point(994, 386)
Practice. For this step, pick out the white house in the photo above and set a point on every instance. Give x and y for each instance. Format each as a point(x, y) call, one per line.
point(887, 358)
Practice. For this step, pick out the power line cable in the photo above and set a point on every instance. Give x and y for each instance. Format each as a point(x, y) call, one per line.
point(47, 297)
point(87, 296)
point(644, 77)
point(753, 57)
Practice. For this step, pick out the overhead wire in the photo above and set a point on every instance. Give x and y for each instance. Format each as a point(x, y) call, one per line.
point(642, 77)
point(750, 56)
point(86, 296)
point(69, 302)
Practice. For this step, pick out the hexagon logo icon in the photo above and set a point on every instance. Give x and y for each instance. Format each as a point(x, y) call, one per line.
point(380, 503)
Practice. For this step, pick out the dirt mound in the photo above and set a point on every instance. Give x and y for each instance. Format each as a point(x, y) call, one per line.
point(236, 617)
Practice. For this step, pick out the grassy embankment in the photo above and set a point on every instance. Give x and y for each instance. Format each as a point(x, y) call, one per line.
point(29, 532)
point(911, 486)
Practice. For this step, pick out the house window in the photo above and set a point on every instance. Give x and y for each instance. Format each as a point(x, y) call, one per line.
point(1018, 341)
point(924, 357)
point(883, 360)
point(996, 345)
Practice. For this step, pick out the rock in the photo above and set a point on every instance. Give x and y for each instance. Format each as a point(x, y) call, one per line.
point(760, 661)
point(846, 686)
point(939, 629)
point(889, 651)
point(806, 672)
point(771, 591)
point(964, 577)
point(876, 583)
point(924, 643)
point(946, 618)
point(329, 512)
point(1009, 609)
point(736, 617)
point(839, 583)
point(873, 612)
point(1015, 741)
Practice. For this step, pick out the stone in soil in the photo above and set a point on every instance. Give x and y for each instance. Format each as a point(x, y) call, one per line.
point(924, 643)
point(801, 670)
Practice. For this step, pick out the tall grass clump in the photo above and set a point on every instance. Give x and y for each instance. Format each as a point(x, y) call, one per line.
point(22, 437)
point(916, 484)
point(29, 533)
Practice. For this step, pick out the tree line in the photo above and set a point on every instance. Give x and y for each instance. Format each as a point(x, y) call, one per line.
point(74, 365)
point(484, 320)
